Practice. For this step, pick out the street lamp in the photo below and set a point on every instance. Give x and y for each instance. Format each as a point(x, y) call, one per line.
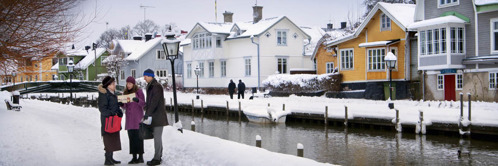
point(171, 46)
point(14, 79)
point(70, 69)
point(390, 60)
point(197, 72)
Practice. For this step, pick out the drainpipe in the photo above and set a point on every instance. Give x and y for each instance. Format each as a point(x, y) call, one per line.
point(476, 28)
point(423, 85)
point(304, 47)
point(259, 74)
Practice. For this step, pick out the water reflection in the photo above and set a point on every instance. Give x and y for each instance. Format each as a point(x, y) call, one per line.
point(350, 146)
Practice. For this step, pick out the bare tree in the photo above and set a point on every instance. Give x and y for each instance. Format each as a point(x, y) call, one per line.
point(126, 31)
point(34, 27)
point(146, 26)
point(370, 4)
point(113, 64)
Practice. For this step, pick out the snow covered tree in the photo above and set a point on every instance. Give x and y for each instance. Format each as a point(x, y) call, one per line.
point(113, 64)
point(146, 26)
point(370, 4)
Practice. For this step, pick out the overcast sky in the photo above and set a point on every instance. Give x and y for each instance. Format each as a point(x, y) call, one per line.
point(185, 13)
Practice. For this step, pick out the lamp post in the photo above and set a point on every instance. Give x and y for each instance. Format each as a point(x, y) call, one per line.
point(390, 60)
point(14, 80)
point(197, 72)
point(70, 69)
point(94, 47)
point(171, 47)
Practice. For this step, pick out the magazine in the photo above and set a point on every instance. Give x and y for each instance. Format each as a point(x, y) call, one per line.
point(126, 98)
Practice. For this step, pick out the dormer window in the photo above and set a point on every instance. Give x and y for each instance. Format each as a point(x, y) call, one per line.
point(447, 3)
point(282, 37)
point(202, 41)
point(385, 23)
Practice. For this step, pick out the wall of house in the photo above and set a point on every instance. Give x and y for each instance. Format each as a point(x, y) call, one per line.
point(323, 57)
point(484, 35)
point(476, 83)
point(38, 70)
point(92, 76)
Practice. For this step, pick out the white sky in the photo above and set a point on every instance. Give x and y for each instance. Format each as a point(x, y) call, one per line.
point(185, 13)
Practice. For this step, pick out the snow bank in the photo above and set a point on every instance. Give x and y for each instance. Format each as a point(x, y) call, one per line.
point(300, 82)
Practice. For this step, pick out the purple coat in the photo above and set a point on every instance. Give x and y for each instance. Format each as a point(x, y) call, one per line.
point(134, 111)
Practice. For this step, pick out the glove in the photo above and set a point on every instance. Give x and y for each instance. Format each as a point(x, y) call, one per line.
point(135, 99)
point(120, 104)
point(120, 114)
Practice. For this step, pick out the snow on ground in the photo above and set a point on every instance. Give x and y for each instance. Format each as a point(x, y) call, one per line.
point(483, 113)
point(46, 133)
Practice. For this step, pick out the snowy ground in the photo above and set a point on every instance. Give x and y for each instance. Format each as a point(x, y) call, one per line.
point(46, 133)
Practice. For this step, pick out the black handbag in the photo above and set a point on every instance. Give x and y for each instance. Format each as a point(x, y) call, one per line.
point(146, 131)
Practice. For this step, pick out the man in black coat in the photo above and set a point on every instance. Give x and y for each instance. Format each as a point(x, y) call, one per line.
point(231, 88)
point(241, 88)
point(155, 108)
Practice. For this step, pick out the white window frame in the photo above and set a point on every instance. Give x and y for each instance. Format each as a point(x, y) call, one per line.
point(134, 73)
point(443, 45)
point(211, 69)
point(160, 54)
point(329, 67)
point(223, 65)
point(373, 61)
point(220, 45)
point(282, 33)
point(202, 40)
point(102, 60)
point(459, 81)
point(385, 22)
point(396, 54)
point(440, 83)
point(493, 80)
point(447, 3)
point(349, 63)
point(161, 73)
point(281, 62)
point(201, 67)
point(247, 67)
point(494, 40)
point(189, 69)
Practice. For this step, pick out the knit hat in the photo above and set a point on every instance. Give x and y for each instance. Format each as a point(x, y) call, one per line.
point(130, 79)
point(149, 73)
point(107, 81)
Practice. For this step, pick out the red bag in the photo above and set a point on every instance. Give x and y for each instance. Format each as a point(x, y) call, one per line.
point(112, 124)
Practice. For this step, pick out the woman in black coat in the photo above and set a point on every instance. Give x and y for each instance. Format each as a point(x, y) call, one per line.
point(108, 106)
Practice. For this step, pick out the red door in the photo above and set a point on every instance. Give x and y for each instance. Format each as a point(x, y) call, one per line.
point(449, 88)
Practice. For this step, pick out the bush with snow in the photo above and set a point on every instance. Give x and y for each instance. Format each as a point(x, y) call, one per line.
point(303, 82)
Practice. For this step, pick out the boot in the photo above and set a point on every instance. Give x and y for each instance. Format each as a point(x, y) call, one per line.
point(140, 158)
point(108, 160)
point(134, 160)
point(154, 162)
point(114, 161)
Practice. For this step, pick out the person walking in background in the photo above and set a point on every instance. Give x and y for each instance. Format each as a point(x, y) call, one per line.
point(241, 88)
point(108, 106)
point(231, 88)
point(134, 114)
point(154, 107)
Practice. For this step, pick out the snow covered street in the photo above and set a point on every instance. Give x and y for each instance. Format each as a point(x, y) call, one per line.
point(46, 133)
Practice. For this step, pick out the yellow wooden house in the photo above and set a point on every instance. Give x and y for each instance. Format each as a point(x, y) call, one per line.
point(36, 68)
point(359, 57)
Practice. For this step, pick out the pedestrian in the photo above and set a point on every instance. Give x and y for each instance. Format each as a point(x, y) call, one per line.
point(231, 88)
point(134, 114)
point(108, 106)
point(241, 88)
point(154, 107)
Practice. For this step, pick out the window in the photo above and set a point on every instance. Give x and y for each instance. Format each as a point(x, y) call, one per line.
point(63, 61)
point(80, 77)
point(422, 43)
point(189, 70)
point(330, 67)
point(218, 42)
point(440, 82)
point(494, 35)
point(202, 41)
point(443, 40)
point(122, 75)
point(447, 3)
point(161, 73)
point(493, 81)
point(459, 81)
point(223, 68)
point(282, 65)
point(211, 69)
point(433, 41)
point(460, 40)
point(429, 42)
point(394, 50)
point(160, 55)
point(201, 67)
point(102, 60)
point(347, 59)
point(134, 73)
point(376, 59)
point(281, 37)
point(385, 23)
point(247, 66)
point(436, 41)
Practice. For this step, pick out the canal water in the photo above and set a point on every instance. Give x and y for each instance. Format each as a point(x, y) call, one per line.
point(354, 146)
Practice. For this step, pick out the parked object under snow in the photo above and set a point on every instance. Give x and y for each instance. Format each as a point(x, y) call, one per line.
point(303, 82)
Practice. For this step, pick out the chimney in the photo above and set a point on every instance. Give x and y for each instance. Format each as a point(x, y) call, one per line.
point(257, 13)
point(137, 37)
point(228, 16)
point(148, 36)
point(343, 25)
point(330, 26)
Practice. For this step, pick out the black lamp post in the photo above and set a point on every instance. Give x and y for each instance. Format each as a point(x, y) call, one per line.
point(390, 60)
point(70, 69)
point(171, 46)
point(197, 72)
point(14, 80)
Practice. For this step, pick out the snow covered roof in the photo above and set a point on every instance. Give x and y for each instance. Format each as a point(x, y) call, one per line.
point(316, 34)
point(216, 27)
point(378, 43)
point(55, 67)
point(142, 49)
point(89, 58)
point(489, 59)
point(329, 36)
point(485, 2)
point(76, 52)
point(437, 21)
point(401, 14)
point(128, 46)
